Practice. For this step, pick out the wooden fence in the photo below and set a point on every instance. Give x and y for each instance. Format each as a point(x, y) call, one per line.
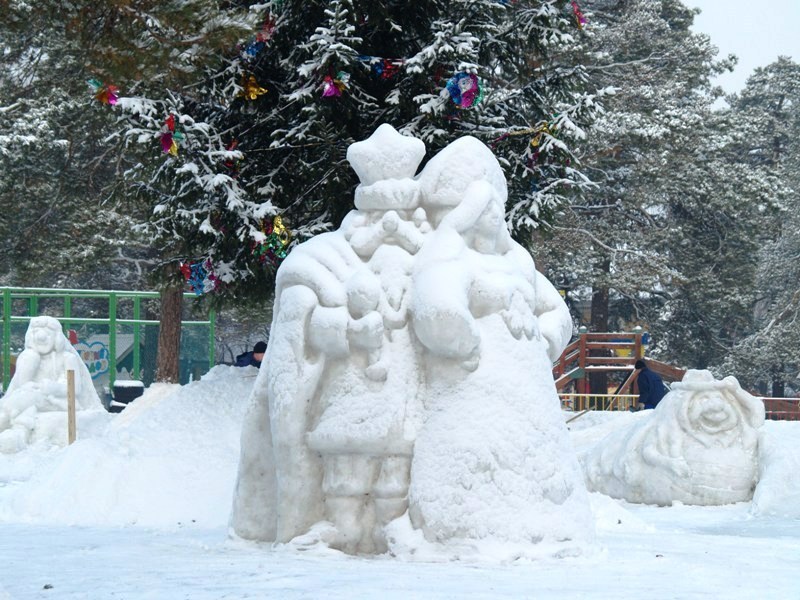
point(617, 352)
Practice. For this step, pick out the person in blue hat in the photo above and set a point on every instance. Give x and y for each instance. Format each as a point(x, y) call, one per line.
point(651, 386)
point(254, 358)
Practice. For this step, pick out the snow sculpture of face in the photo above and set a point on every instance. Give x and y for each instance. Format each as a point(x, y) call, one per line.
point(44, 335)
point(447, 175)
point(699, 446)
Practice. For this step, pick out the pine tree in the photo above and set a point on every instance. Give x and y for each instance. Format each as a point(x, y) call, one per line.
point(265, 132)
point(716, 228)
point(669, 192)
point(769, 105)
point(56, 215)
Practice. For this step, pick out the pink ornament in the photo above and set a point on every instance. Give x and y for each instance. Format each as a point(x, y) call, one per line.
point(329, 88)
point(581, 20)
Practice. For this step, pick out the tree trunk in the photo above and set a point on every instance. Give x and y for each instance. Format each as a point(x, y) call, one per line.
point(598, 382)
point(778, 384)
point(169, 336)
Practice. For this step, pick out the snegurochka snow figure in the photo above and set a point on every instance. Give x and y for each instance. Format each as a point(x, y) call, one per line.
point(408, 373)
point(35, 403)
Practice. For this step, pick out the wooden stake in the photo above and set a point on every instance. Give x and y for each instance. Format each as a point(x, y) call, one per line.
point(71, 406)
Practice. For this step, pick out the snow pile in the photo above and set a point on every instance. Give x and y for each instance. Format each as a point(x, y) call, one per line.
point(778, 490)
point(169, 458)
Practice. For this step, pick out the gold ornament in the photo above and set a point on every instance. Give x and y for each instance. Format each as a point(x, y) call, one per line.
point(250, 88)
point(280, 230)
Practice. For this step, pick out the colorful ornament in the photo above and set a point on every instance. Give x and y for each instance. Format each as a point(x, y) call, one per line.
point(267, 30)
point(253, 48)
point(105, 94)
point(261, 39)
point(332, 87)
point(200, 276)
point(465, 90)
point(251, 90)
point(390, 68)
point(540, 131)
point(537, 139)
point(385, 68)
point(232, 164)
point(170, 136)
point(279, 229)
point(274, 247)
point(579, 18)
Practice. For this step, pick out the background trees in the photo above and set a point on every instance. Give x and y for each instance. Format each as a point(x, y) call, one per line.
point(669, 237)
point(650, 204)
point(769, 357)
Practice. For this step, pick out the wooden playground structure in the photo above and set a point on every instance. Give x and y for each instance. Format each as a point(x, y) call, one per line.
point(614, 354)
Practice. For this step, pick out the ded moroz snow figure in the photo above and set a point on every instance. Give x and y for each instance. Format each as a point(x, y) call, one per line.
point(34, 405)
point(407, 381)
point(333, 418)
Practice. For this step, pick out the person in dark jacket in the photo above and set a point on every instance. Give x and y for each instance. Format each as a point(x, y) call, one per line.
point(253, 358)
point(651, 387)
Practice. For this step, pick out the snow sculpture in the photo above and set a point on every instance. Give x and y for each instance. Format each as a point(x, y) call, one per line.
point(699, 446)
point(408, 370)
point(33, 406)
point(492, 459)
point(333, 422)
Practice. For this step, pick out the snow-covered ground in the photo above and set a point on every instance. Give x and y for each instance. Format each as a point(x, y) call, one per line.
point(138, 508)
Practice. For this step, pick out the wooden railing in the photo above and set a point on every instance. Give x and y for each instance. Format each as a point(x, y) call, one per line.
point(609, 352)
point(782, 409)
point(605, 352)
point(580, 402)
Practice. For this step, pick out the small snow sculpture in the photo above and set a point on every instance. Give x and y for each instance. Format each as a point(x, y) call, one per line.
point(408, 371)
point(33, 406)
point(699, 446)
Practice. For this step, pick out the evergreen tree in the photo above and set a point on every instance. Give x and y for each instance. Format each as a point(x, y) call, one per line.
point(769, 103)
point(660, 71)
point(669, 191)
point(265, 133)
point(716, 225)
point(57, 218)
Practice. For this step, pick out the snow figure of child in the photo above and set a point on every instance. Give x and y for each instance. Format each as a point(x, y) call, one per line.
point(333, 419)
point(492, 461)
point(39, 388)
point(698, 446)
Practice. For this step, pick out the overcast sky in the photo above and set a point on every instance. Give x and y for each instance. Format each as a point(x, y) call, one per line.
point(757, 31)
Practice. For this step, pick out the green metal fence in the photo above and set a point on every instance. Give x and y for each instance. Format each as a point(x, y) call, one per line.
point(123, 312)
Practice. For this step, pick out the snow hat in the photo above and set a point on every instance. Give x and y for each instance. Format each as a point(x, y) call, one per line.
point(447, 175)
point(260, 348)
point(640, 364)
point(385, 163)
point(386, 154)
